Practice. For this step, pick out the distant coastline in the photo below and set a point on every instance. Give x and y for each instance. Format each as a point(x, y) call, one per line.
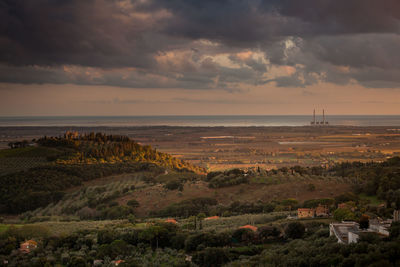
point(197, 121)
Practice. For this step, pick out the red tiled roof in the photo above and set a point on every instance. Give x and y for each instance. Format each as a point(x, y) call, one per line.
point(251, 227)
point(171, 221)
point(212, 218)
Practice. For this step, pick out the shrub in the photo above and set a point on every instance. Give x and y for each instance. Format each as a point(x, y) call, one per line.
point(87, 213)
point(294, 230)
point(364, 222)
point(133, 203)
point(268, 232)
point(342, 214)
point(118, 212)
point(311, 187)
point(243, 235)
point(211, 257)
point(174, 185)
point(113, 204)
point(132, 219)
point(188, 207)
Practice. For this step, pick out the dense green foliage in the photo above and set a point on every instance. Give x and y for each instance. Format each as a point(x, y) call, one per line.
point(101, 148)
point(381, 179)
point(168, 244)
point(227, 178)
point(73, 159)
point(188, 207)
point(324, 251)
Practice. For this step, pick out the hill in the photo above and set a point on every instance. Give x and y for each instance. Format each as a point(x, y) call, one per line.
point(58, 163)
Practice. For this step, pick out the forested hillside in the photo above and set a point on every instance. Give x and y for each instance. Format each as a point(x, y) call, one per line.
point(101, 148)
point(373, 178)
point(70, 160)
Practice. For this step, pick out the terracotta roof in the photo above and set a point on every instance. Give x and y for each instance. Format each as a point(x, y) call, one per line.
point(212, 218)
point(251, 227)
point(118, 262)
point(171, 221)
point(31, 242)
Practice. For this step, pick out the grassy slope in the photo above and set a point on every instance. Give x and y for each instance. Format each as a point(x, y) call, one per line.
point(156, 197)
point(278, 219)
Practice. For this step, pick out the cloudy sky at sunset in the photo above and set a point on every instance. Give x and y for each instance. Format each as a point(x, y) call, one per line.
point(199, 57)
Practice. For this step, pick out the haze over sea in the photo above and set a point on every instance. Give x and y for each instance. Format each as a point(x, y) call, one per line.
point(217, 120)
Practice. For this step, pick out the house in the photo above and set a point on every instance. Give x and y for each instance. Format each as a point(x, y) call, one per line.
point(28, 246)
point(321, 211)
point(251, 227)
point(212, 218)
point(188, 258)
point(345, 232)
point(97, 262)
point(171, 221)
point(349, 232)
point(305, 213)
point(379, 226)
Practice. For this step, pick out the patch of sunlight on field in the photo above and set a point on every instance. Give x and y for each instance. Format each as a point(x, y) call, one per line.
point(4, 227)
point(58, 228)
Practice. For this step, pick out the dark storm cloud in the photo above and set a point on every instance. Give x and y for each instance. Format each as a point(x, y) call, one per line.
point(367, 50)
point(244, 21)
point(88, 33)
point(343, 16)
point(127, 42)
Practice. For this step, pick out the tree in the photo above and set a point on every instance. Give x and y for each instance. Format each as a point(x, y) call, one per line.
point(153, 235)
point(311, 187)
point(118, 247)
point(342, 214)
point(133, 203)
point(243, 235)
point(364, 222)
point(268, 232)
point(211, 257)
point(201, 216)
point(390, 197)
point(394, 230)
point(397, 198)
point(174, 184)
point(132, 219)
point(295, 230)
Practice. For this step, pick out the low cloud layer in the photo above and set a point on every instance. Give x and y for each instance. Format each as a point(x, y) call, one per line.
point(208, 44)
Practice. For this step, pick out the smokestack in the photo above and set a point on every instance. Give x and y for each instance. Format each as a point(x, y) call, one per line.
point(314, 116)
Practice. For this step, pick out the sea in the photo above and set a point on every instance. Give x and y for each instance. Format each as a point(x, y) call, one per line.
point(216, 120)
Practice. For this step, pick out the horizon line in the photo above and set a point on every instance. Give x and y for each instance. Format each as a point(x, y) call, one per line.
point(194, 115)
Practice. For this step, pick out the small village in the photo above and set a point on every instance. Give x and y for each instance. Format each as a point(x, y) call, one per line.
point(348, 232)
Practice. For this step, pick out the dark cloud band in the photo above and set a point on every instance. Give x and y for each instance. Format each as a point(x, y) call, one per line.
point(155, 43)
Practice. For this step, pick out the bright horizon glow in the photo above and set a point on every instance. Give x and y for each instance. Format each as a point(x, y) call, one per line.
point(81, 100)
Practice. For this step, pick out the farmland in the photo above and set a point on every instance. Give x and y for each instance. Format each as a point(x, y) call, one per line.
point(97, 196)
point(219, 148)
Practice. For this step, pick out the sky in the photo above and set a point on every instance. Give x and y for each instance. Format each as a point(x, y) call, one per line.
point(191, 57)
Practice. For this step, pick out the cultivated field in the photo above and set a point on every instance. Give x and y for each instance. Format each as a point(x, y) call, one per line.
point(219, 148)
